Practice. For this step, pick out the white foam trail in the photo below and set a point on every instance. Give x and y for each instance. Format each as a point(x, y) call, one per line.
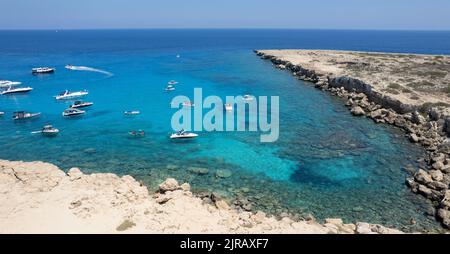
point(85, 68)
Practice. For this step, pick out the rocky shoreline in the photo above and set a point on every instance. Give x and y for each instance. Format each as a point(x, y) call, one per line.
point(38, 197)
point(426, 124)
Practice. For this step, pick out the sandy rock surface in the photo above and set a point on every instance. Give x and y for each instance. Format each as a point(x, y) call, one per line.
point(38, 197)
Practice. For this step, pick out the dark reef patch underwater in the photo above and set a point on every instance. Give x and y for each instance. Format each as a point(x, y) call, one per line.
point(326, 162)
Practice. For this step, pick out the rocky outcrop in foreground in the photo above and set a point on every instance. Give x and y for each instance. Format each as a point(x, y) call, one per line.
point(365, 82)
point(38, 197)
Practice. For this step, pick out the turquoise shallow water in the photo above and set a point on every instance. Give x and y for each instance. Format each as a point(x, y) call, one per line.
point(326, 162)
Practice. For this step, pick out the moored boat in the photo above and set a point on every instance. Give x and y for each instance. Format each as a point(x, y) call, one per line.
point(131, 113)
point(170, 88)
point(22, 115)
point(73, 112)
point(2, 113)
point(248, 97)
point(48, 130)
point(188, 104)
point(7, 83)
point(11, 90)
point(81, 104)
point(228, 107)
point(42, 70)
point(183, 135)
point(172, 82)
point(71, 95)
point(137, 134)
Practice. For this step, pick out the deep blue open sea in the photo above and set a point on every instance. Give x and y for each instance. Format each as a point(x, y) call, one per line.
point(326, 162)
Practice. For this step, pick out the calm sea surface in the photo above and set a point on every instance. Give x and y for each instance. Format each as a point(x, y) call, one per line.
point(326, 162)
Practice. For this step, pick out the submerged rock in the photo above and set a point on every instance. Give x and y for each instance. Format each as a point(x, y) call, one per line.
point(198, 170)
point(223, 173)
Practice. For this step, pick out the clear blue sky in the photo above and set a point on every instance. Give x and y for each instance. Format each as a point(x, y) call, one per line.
point(326, 14)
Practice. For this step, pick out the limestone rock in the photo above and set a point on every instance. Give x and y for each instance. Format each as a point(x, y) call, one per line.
point(75, 174)
point(357, 111)
point(169, 185)
point(423, 177)
point(444, 216)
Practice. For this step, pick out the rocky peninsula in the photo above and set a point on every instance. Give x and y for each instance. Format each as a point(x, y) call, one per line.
point(411, 92)
point(38, 197)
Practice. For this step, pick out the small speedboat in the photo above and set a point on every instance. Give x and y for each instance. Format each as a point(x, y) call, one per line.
point(228, 107)
point(170, 88)
point(248, 97)
point(2, 113)
point(22, 115)
point(11, 90)
point(73, 112)
point(137, 134)
point(7, 83)
point(69, 67)
point(188, 104)
point(131, 113)
point(48, 131)
point(70, 95)
point(172, 82)
point(81, 104)
point(42, 70)
point(183, 135)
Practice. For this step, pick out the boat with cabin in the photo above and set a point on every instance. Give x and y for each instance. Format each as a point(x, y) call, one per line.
point(22, 115)
point(73, 112)
point(11, 90)
point(81, 104)
point(66, 95)
point(183, 135)
point(42, 70)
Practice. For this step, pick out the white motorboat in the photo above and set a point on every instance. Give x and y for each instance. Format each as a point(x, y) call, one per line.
point(188, 104)
point(172, 82)
point(170, 88)
point(48, 130)
point(70, 95)
point(2, 113)
point(73, 112)
point(22, 115)
point(42, 70)
point(132, 113)
point(183, 135)
point(248, 97)
point(81, 104)
point(7, 83)
point(228, 107)
point(11, 90)
point(70, 67)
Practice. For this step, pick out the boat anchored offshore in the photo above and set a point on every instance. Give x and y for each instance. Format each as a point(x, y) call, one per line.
point(48, 130)
point(137, 134)
point(172, 82)
point(7, 83)
point(73, 112)
point(70, 95)
point(228, 107)
point(81, 104)
point(183, 135)
point(248, 97)
point(170, 88)
point(11, 90)
point(42, 70)
point(188, 104)
point(2, 113)
point(22, 115)
point(132, 113)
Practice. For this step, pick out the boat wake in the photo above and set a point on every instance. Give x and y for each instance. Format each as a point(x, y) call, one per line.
point(85, 68)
